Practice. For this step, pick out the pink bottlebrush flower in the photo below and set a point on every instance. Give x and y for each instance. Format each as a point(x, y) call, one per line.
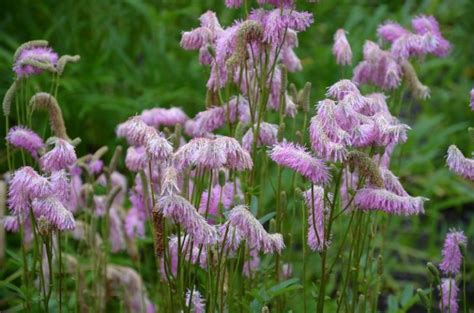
point(379, 68)
point(331, 118)
point(116, 234)
point(136, 159)
point(410, 45)
point(135, 130)
point(196, 38)
point(233, 3)
point(452, 256)
point(25, 185)
point(314, 199)
point(290, 60)
point(210, 120)
point(428, 25)
point(375, 103)
point(389, 202)
point(157, 147)
point(391, 31)
point(210, 156)
point(389, 130)
point(43, 55)
point(135, 223)
point(11, 223)
point(169, 183)
point(459, 164)
point(54, 211)
point(24, 138)
point(99, 205)
point(267, 136)
point(341, 48)
point(242, 219)
point(323, 145)
point(298, 159)
point(229, 237)
point(237, 158)
point(209, 20)
point(157, 117)
point(224, 195)
point(194, 300)
point(96, 166)
point(277, 3)
point(391, 183)
point(341, 89)
point(184, 156)
point(117, 180)
point(61, 185)
point(471, 104)
point(238, 109)
point(449, 296)
point(62, 156)
point(251, 264)
point(181, 211)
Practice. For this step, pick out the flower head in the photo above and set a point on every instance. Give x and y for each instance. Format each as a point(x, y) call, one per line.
point(384, 200)
point(195, 301)
point(449, 296)
point(459, 164)
point(267, 136)
point(423, 25)
point(54, 211)
point(391, 31)
point(31, 60)
point(24, 138)
point(136, 158)
point(452, 256)
point(157, 117)
point(62, 156)
point(341, 48)
point(314, 199)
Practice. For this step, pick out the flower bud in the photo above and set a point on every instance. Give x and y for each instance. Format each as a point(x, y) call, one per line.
point(423, 298)
point(380, 265)
point(433, 273)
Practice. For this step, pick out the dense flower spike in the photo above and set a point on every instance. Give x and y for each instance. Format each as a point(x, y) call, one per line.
point(424, 25)
point(449, 296)
point(135, 130)
point(268, 136)
point(62, 156)
point(181, 211)
point(55, 212)
point(136, 159)
point(34, 59)
point(255, 235)
point(297, 158)
point(391, 31)
point(195, 301)
point(452, 257)
point(314, 199)
point(24, 138)
point(459, 164)
point(157, 147)
point(384, 200)
point(158, 117)
point(341, 48)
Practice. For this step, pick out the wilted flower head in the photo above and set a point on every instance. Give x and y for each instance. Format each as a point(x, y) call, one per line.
point(62, 156)
point(341, 48)
point(181, 211)
point(24, 138)
point(297, 158)
point(452, 256)
point(459, 164)
point(389, 202)
point(31, 59)
point(449, 296)
point(242, 219)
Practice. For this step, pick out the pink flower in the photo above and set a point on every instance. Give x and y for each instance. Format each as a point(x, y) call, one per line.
point(341, 89)
point(62, 156)
point(471, 104)
point(267, 136)
point(237, 158)
point(423, 25)
point(452, 257)
point(251, 264)
point(391, 31)
point(40, 54)
point(449, 296)
point(323, 145)
point(10, 223)
point(135, 223)
point(195, 300)
point(410, 45)
point(233, 3)
point(392, 183)
point(341, 48)
point(297, 158)
point(136, 159)
point(116, 234)
point(60, 185)
point(134, 130)
point(158, 117)
point(157, 147)
point(181, 211)
point(459, 164)
point(389, 202)
point(24, 138)
point(314, 199)
point(53, 210)
point(218, 196)
point(242, 219)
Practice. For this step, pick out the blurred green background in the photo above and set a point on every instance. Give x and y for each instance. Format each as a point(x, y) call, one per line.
point(131, 60)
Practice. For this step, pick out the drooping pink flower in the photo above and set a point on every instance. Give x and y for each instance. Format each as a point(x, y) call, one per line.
point(116, 233)
point(423, 25)
point(341, 89)
point(341, 48)
point(11, 223)
point(181, 211)
point(267, 136)
point(410, 45)
point(233, 3)
point(54, 211)
point(237, 158)
point(43, 55)
point(255, 235)
point(61, 186)
point(290, 60)
point(25, 185)
point(136, 159)
point(452, 256)
point(323, 145)
point(224, 196)
point(391, 31)
point(251, 264)
point(24, 138)
point(314, 199)
point(62, 156)
point(135, 223)
point(471, 104)
point(229, 237)
point(459, 164)
point(391, 183)
point(157, 147)
point(449, 296)
point(389, 202)
point(158, 117)
point(96, 166)
point(135, 130)
point(297, 158)
point(195, 301)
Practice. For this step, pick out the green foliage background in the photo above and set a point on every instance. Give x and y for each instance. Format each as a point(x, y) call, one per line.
point(131, 60)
